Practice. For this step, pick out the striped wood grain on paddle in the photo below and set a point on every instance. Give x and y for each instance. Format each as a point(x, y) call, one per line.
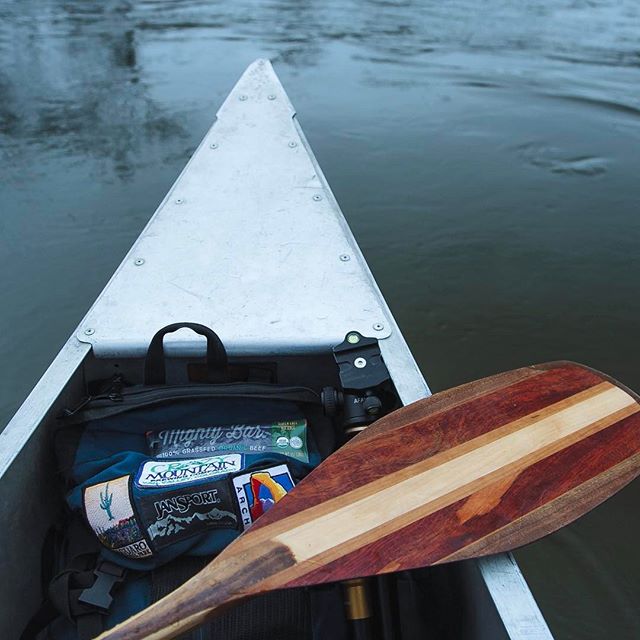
point(479, 469)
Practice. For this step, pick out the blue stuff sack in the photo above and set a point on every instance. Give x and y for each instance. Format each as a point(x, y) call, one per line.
point(153, 473)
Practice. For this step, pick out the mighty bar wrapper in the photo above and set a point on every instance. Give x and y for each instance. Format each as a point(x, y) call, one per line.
point(287, 437)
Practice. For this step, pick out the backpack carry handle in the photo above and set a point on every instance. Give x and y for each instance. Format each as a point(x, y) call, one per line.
point(154, 366)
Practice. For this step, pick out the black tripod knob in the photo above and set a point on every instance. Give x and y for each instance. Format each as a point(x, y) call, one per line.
point(331, 401)
point(372, 405)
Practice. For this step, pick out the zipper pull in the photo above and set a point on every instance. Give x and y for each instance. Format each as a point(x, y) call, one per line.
point(67, 413)
point(115, 390)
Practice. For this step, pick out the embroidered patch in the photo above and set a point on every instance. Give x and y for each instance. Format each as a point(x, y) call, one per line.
point(177, 514)
point(161, 473)
point(138, 549)
point(257, 491)
point(287, 437)
point(110, 514)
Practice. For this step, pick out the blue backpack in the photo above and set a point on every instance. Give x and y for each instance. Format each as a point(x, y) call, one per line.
point(159, 476)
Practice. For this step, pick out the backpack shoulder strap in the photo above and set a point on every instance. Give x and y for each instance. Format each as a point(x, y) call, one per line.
point(82, 591)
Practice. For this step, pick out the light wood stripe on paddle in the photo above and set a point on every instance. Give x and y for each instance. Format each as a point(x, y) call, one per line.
point(429, 486)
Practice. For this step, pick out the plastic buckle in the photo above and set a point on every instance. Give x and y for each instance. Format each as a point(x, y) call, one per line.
point(99, 594)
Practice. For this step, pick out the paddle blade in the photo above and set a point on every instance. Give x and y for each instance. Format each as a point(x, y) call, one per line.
point(480, 469)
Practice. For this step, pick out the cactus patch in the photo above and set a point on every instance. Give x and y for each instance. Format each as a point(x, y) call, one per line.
point(109, 512)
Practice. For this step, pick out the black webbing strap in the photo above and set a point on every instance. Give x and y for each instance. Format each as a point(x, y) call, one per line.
point(328, 612)
point(154, 367)
point(281, 615)
point(43, 617)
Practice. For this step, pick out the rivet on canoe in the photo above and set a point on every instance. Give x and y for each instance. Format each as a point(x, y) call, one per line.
point(360, 363)
point(138, 262)
point(271, 96)
point(378, 326)
point(345, 257)
point(213, 145)
point(89, 332)
point(293, 144)
point(243, 97)
point(179, 201)
point(317, 197)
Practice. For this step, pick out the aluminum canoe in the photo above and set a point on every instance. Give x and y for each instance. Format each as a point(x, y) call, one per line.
point(250, 241)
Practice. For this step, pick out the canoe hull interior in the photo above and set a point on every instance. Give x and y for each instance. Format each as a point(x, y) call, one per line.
point(31, 499)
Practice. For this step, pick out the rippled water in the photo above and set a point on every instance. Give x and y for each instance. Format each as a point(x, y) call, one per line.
point(485, 154)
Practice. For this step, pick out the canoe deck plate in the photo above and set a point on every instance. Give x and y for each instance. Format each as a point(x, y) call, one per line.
point(249, 241)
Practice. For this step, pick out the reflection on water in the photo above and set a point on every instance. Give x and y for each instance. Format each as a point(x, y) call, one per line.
point(485, 153)
point(74, 84)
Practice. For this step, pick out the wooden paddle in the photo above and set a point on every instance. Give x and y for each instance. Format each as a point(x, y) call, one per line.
point(480, 469)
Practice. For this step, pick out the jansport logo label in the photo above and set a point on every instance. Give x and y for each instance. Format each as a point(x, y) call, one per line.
point(181, 504)
point(158, 473)
point(170, 515)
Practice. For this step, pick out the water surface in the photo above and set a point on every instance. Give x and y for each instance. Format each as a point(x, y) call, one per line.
point(484, 153)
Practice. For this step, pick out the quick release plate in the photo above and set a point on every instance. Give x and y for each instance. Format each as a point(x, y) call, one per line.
point(360, 363)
